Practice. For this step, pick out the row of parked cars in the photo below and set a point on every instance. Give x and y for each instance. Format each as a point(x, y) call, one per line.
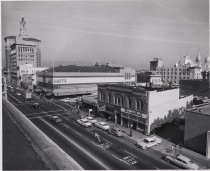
point(89, 121)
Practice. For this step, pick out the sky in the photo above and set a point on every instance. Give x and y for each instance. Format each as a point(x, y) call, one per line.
point(130, 33)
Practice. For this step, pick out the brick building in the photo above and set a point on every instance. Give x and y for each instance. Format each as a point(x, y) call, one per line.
point(142, 108)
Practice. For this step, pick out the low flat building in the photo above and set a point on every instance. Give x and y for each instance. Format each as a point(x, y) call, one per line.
point(78, 80)
point(142, 108)
point(197, 126)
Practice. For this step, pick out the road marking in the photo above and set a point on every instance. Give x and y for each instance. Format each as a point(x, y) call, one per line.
point(29, 102)
point(77, 146)
point(108, 141)
point(43, 112)
point(74, 131)
point(157, 168)
point(94, 143)
point(14, 98)
point(117, 158)
point(58, 105)
point(90, 131)
point(39, 117)
point(130, 153)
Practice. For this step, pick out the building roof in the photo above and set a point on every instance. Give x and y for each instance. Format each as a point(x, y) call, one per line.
point(9, 37)
point(202, 109)
point(75, 68)
point(31, 39)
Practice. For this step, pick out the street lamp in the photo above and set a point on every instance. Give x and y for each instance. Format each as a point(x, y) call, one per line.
point(131, 124)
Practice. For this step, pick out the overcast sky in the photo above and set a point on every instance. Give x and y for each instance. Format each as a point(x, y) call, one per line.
point(122, 32)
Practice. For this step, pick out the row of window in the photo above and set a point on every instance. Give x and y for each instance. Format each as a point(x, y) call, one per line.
point(176, 77)
point(127, 76)
point(175, 73)
point(118, 100)
point(25, 49)
point(31, 56)
point(175, 69)
point(25, 59)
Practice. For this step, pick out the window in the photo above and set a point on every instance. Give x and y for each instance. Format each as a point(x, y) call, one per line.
point(108, 98)
point(129, 102)
point(138, 105)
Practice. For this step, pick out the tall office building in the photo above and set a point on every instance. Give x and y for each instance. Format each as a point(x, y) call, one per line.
point(20, 50)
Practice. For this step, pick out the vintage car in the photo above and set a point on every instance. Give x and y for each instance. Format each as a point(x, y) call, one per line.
point(148, 142)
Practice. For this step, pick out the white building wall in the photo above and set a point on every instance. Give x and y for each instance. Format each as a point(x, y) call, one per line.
point(208, 145)
point(86, 80)
point(160, 103)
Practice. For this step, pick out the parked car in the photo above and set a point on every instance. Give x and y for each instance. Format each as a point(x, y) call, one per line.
point(181, 161)
point(116, 131)
point(18, 93)
point(55, 119)
point(36, 105)
point(91, 119)
point(148, 142)
point(84, 122)
point(64, 100)
point(102, 125)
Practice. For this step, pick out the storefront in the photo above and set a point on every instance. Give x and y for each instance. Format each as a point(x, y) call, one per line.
point(134, 119)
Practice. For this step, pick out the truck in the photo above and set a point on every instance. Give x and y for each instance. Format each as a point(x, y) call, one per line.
point(26, 95)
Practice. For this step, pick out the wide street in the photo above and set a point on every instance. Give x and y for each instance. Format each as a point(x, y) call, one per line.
point(81, 144)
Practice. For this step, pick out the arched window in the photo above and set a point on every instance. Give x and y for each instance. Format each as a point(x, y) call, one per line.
point(108, 98)
point(129, 102)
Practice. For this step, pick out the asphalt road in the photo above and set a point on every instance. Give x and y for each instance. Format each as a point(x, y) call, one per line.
point(81, 144)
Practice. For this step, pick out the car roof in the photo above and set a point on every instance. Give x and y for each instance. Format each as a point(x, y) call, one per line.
point(150, 138)
point(183, 158)
point(102, 123)
point(89, 117)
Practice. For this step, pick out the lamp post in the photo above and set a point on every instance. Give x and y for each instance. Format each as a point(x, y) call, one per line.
point(115, 117)
point(131, 124)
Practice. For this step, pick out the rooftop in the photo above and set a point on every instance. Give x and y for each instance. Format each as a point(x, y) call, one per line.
point(75, 68)
point(9, 37)
point(203, 108)
point(139, 87)
point(31, 39)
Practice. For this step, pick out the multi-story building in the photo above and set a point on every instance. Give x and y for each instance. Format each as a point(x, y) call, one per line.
point(197, 129)
point(156, 63)
point(27, 75)
point(73, 79)
point(21, 50)
point(142, 108)
point(185, 69)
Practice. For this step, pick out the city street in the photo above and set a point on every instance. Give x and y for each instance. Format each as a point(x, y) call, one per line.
point(81, 144)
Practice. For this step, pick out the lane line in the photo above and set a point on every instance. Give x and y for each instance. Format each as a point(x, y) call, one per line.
point(38, 117)
point(90, 131)
point(107, 141)
point(130, 153)
point(15, 98)
point(74, 131)
point(43, 112)
point(118, 158)
point(157, 168)
point(94, 143)
point(76, 145)
point(58, 105)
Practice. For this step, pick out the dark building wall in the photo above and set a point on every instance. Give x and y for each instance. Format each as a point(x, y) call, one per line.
point(195, 87)
point(196, 127)
point(153, 65)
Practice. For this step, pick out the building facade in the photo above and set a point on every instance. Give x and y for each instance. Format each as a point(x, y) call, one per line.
point(141, 108)
point(185, 69)
point(197, 126)
point(27, 75)
point(73, 79)
point(148, 79)
point(20, 50)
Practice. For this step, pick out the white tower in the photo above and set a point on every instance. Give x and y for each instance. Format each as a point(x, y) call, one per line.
point(207, 64)
point(23, 31)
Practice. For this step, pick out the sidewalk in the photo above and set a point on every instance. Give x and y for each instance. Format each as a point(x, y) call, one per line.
point(164, 147)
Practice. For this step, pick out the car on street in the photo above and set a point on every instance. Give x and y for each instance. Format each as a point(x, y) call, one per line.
point(148, 142)
point(102, 125)
point(18, 93)
point(84, 122)
point(55, 119)
point(36, 105)
point(91, 119)
point(181, 161)
point(116, 131)
point(64, 100)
